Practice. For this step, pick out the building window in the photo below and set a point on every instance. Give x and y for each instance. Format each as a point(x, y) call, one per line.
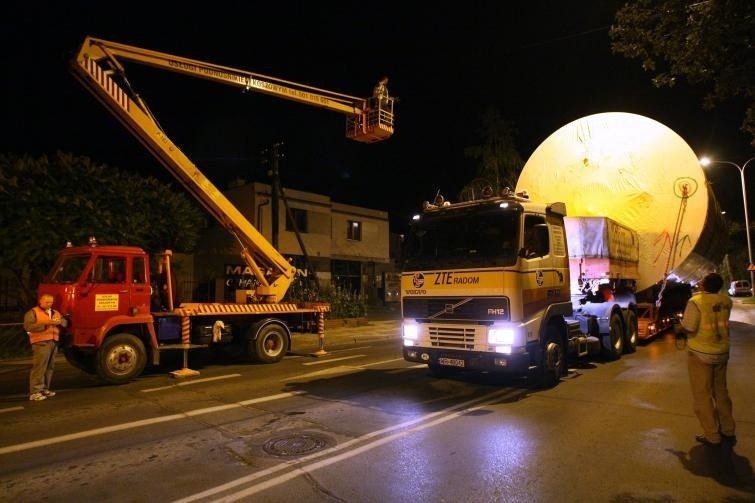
point(354, 230)
point(300, 219)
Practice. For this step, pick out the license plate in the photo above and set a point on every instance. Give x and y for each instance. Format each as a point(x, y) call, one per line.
point(451, 362)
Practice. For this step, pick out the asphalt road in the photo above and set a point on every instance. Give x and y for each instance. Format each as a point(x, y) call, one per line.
point(360, 424)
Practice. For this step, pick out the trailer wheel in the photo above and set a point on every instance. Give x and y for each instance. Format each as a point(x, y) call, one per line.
point(632, 334)
point(552, 363)
point(613, 342)
point(270, 343)
point(121, 358)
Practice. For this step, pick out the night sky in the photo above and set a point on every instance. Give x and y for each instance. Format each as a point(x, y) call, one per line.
point(542, 64)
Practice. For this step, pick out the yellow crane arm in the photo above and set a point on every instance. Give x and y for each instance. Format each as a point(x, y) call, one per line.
point(97, 66)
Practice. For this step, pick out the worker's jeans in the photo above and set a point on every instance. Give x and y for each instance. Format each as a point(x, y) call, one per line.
point(710, 398)
point(43, 364)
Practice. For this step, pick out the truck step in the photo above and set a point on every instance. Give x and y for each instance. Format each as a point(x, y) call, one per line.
point(181, 346)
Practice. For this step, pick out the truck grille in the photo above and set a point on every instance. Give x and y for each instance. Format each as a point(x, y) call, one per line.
point(457, 308)
point(452, 337)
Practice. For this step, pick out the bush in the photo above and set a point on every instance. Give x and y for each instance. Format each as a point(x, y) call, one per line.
point(343, 303)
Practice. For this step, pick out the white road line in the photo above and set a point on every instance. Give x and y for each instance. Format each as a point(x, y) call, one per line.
point(341, 369)
point(188, 383)
point(322, 362)
point(144, 422)
point(382, 362)
point(10, 409)
point(300, 467)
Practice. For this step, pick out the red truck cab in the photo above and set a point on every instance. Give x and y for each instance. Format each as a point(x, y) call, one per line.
point(98, 288)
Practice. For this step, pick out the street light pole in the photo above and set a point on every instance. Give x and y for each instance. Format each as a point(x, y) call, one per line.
point(705, 161)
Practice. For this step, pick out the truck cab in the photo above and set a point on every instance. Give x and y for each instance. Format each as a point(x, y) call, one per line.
point(99, 289)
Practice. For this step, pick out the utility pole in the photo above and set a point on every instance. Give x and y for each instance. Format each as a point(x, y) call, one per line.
point(271, 157)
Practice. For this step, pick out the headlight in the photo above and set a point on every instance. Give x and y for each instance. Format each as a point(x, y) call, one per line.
point(411, 331)
point(503, 336)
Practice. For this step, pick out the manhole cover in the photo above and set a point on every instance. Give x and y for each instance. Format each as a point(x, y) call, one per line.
point(297, 444)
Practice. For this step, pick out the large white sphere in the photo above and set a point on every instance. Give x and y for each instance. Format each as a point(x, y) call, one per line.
point(632, 169)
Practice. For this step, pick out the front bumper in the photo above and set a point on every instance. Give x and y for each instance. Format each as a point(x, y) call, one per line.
point(518, 363)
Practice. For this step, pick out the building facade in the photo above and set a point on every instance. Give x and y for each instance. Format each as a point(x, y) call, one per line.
point(342, 245)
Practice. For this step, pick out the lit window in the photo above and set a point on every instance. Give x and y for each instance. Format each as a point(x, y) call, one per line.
point(354, 230)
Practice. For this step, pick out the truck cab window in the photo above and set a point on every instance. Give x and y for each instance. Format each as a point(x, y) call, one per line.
point(139, 276)
point(536, 242)
point(109, 270)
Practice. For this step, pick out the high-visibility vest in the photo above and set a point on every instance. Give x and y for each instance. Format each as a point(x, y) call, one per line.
point(51, 332)
point(712, 336)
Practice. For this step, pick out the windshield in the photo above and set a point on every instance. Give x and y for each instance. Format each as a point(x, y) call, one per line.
point(463, 239)
point(68, 269)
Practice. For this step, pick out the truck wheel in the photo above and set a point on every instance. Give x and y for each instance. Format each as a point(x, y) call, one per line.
point(271, 343)
point(121, 358)
point(632, 334)
point(552, 363)
point(79, 360)
point(613, 342)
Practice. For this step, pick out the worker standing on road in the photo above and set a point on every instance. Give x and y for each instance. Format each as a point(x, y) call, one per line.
point(706, 324)
point(42, 323)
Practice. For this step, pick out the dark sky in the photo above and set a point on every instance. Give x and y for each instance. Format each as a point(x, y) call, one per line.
point(542, 64)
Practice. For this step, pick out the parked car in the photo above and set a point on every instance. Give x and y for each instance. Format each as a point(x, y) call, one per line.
point(740, 287)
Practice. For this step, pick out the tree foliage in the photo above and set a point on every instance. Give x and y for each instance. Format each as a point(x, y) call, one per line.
point(708, 42)
point(47, 202)
point(499, 162)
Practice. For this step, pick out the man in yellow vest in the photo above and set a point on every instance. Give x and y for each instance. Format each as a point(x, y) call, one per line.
point(42, 323)
point(706, 324)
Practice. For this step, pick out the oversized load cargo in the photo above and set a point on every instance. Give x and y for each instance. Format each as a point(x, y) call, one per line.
point(600, 248)
point(641, 174)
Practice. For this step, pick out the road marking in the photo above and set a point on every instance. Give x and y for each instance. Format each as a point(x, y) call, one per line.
point(382, 362)
point(350, 447)
point(11, 409)
point(144, 422)
point(188, 383)
point(321, 362)
point(341, 369)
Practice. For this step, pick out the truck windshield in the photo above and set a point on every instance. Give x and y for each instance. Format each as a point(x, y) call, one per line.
point(463, 239)
point(68, 269)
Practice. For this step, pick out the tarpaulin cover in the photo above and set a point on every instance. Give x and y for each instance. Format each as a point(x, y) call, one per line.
point(601, 237)
point(633, 170)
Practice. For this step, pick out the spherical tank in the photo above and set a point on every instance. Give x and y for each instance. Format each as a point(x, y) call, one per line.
point(631, 169)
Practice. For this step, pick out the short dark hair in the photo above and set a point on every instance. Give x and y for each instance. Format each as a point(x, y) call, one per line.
point(712, 283)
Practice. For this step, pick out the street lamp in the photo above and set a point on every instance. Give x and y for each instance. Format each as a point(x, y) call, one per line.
point(704, 161)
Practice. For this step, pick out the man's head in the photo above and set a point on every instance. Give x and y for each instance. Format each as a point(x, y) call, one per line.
point(712, 283)
point(45, 301)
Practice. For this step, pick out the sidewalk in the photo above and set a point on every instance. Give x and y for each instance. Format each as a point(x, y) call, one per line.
point(383, 323)
point(744, 310)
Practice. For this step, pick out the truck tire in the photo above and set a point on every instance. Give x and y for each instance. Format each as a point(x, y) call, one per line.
point(121, 358)
point(613, 341)
point(552, 363)
point(270, 343)
point(632, 333)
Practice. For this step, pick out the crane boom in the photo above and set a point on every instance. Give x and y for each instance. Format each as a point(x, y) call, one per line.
point(98, 67)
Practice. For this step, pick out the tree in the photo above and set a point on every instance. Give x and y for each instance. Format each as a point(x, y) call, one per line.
point(708, 42)
point(45, 203)
point(499, 162)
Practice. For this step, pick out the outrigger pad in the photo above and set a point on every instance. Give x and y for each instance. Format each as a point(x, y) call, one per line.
point(184, 372)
